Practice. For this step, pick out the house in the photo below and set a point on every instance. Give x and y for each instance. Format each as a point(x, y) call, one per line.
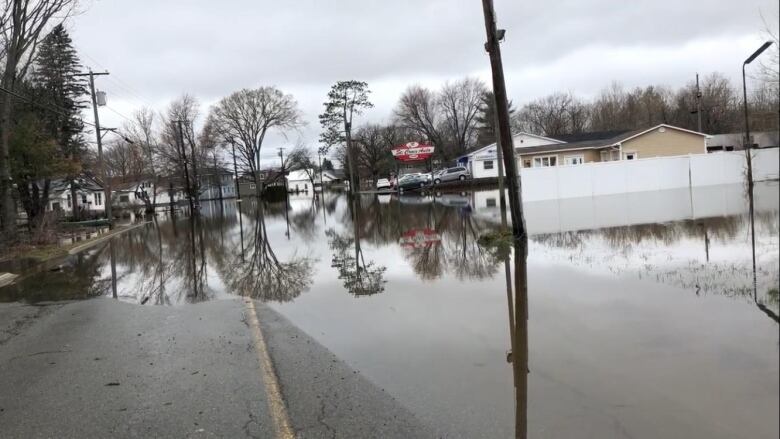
point(330, 177)
point(658, 141)
point(483, 162)
point(299, 181)
point(131, 194)
point(265, 178)
point(216, 183)
point(89, 196)
point(735, 141)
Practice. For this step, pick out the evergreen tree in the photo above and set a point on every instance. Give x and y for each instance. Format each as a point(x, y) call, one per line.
point(486, 119)
point(55, 84)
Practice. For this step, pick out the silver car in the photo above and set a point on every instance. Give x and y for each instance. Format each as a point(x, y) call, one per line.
point(452, 174)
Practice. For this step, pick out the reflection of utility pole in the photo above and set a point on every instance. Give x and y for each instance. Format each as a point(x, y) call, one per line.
point(112, 254)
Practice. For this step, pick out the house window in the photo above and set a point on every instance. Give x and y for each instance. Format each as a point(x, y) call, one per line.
point(610, 155)
point(252, 186)
point(98, 199)
point(631, 155)
point(306, 186)
point(55, 206)
point(124, 198)
point(490, 202)
point(487, 164)
point(83, 198)
point(574, 159)
point(527, 163)
point(549, 160)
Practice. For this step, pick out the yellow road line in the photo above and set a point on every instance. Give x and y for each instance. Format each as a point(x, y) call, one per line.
point(273, 394)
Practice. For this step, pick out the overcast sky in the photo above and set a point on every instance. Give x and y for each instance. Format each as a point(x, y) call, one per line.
point(157, 50)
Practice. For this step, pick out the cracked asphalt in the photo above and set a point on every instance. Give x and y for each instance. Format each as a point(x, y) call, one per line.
point(103, 368)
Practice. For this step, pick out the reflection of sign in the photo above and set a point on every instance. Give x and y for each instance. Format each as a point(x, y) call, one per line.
point(412, 151)
point(420, 238)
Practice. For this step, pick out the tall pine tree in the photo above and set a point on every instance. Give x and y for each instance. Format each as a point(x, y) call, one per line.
point(486, 119)
point(55, 85)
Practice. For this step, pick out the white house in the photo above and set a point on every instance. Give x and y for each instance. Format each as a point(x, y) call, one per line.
point(299, 181)
point(89, 196)
point(734, 141)
point(483, 162)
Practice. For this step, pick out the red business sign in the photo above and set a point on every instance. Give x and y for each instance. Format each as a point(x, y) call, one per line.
point(412, 152)
point(419, 238)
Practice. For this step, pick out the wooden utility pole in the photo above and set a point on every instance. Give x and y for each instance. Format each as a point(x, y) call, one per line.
point(698, 102)
point(195, 179)
point(520, 241)
point(186, 169)
point(99, 139)
point(235, 171)
point(504, 128)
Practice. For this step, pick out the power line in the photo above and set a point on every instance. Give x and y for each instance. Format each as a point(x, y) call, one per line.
point(50, 107)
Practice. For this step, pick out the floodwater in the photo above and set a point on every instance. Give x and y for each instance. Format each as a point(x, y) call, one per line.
point(642, 316)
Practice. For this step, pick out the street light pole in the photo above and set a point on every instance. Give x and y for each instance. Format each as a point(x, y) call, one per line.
point(749, 158)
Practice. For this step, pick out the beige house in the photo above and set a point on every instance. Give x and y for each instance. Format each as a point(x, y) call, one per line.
point(659, 141)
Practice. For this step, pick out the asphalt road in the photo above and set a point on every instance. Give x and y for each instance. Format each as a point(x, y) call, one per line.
point(230, 368)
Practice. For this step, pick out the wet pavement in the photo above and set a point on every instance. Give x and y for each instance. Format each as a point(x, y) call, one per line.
point(642, 316)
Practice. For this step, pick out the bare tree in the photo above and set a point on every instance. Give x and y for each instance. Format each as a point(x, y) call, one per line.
point(418, 110)
point(373, 149)
point(246, 116)
point(460, 104)
point(553, 115)
point(22, 23)
point(301, 158)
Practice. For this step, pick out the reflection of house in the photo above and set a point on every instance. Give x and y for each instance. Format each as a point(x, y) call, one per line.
point(734, 141)
point(299, 181)
point(659, 141)
point(483, 162)
point(89, 196)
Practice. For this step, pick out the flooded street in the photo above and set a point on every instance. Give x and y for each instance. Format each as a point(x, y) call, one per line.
point(642, 316)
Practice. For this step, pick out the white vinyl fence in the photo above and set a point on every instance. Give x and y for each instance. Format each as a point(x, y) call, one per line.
point(643, 175)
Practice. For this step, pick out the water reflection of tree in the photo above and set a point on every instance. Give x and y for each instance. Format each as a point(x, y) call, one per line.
point(258, 272)
point(360, 278)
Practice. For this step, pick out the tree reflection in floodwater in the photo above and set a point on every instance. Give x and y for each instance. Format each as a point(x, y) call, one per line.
point(258, 273)
point(360, 278)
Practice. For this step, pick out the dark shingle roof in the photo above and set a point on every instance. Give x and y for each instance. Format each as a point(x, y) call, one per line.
point(585, 137)
point(584, 144)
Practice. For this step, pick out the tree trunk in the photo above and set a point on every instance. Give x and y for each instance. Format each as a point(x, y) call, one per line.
point(7, 204)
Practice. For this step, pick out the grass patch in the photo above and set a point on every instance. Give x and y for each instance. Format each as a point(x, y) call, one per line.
point(497, 242)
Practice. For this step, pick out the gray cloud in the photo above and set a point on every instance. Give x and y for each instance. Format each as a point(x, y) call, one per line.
point(209, 48)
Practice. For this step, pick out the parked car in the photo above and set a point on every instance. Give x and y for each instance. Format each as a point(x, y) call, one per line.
point(383, 183)
point(452, 174)
point(412, 181)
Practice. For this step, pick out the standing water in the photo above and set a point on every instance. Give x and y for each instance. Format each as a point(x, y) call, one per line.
point(642, 321)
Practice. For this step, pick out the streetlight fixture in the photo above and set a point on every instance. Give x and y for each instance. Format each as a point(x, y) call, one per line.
point(748, 147)
point(748, 143)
